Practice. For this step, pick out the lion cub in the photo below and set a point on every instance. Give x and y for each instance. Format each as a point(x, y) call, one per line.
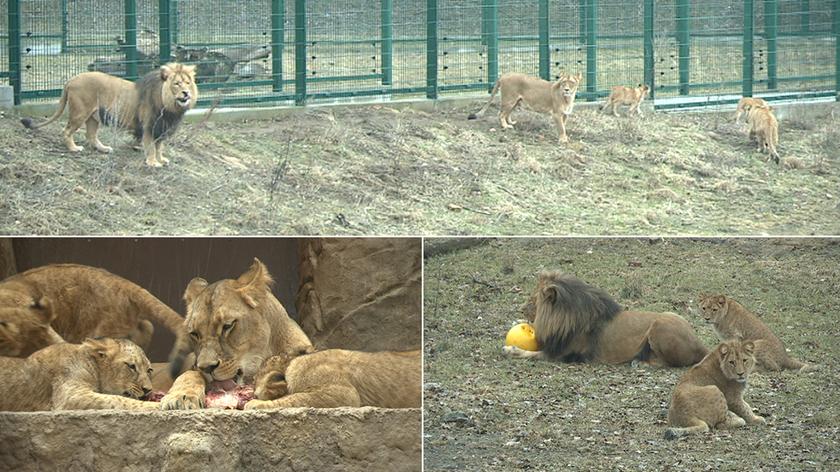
point(744, 106)
point(557, 98)
point(99, 373)
point(621, 95)
point(732, 320)
point(710, 394)
point(764, 127)
point(338, 377)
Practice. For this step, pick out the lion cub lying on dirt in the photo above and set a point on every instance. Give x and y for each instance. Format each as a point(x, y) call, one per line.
point(338, 377)
point(99, 373)
point(557, 99)
point(621, 95)
point(710, 394)
point(732, 320)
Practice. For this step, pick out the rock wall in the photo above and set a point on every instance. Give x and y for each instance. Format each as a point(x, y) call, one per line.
point(362, 294)
point(295, 439)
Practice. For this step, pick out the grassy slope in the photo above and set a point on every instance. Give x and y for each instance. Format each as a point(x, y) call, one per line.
point(544, 416)
point(375, 170)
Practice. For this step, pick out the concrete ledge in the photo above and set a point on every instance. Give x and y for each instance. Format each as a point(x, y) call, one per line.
point(294, 439)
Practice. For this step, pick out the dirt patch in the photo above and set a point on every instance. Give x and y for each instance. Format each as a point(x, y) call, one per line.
point(484, 411)
point(378, 170)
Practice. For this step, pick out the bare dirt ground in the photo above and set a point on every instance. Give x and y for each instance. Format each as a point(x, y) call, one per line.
point(380, 170)
point(487, 412)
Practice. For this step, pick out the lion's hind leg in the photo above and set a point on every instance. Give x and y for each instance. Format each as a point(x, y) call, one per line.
point(697, 426)
point(77, 118)
point(92, 133)
point(326, 396)
point(673, 343)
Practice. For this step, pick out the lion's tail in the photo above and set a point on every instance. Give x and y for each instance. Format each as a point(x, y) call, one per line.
point(62, 103)
point(477, 114)
point(772, 142)
point(158, 311)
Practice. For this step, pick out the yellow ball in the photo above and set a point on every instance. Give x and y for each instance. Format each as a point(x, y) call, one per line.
point(523, 337)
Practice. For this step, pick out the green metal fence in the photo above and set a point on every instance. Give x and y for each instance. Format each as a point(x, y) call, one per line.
point(252, 52)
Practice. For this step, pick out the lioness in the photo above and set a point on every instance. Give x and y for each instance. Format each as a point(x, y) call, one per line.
point(745, 104)
point(621, 95)
point(99, 373)
point(764, 127)
point(152, 108)
point(732, 320)
point(235, 325)
point(338, 377)
point(540, 95)
point(710, 394)
point(84, 302)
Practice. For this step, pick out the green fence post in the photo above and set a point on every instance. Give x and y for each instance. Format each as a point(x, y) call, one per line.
point(387, 45)
point(749, 26)
point(544, 46)
point(684, 43)
point(130, 46)
point(174, 18)
point(490, 13)
point(648, 40)
point(582, 20)
point(431, 50)
point(300, 52)
point(771, 27)
point(278, 14)
point(14, 49)
point(805, 16)
point(63, 26)
point(164, 31)
point(591, 48)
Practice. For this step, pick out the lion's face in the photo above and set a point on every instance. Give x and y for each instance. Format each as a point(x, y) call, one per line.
point(230, 333)
point(737, 360)
point(179, 91)
point(713, 307)
point(270, 381)
point(25, 329)
point(123, 367)
point(568, 84)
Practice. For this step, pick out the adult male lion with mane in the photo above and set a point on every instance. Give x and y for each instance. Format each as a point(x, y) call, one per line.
point(575, 322)
point(556, 99)
point(236, 325)
point(152, 108)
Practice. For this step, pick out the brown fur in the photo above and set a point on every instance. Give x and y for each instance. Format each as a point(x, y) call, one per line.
point(150, 108)
point(99, 373)
point(745, 104)
point(25, 329)
point(338, 377)
point(710, 394)
point(88, 302)
point(576, 322)
point(764, 127)
point(632, 96)
point(732, 320)
point(557, 99)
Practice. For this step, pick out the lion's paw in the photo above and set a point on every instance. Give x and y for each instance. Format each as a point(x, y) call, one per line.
point(258, 404)
point(183, 400)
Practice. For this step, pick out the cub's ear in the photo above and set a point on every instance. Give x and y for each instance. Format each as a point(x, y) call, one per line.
point(196, 286)
point(749, 346)
point(100, 347)
point(579, 76)
point(43, 311)
point(165, 72)
point(724, 349)
point(255, 283)
point(721, 299)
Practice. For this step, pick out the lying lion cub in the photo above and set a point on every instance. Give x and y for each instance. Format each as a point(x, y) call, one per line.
point(338, 377)
point(99, 373)
point(621, 95)
point(764, 127)
point(540, 95)
point(732, 320)
point(710, 394)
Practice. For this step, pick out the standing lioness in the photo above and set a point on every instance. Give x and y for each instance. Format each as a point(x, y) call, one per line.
point(152, 108)
point(540, 95)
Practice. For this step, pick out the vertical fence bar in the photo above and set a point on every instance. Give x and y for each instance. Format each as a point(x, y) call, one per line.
point(771, 28)
point(130, 46)
point(648, 40)
point(164, 31)
point(591, 48)
point(300, 52)
point(174, 18)
point(387, 44)
point(544, 46)
point(278, 16)
point(749, 27)
point(490, 13)
point(684, 43)
point(805, 16)
point(64, 26)
point(14, 49)
point(431, 50)
point(582, 20)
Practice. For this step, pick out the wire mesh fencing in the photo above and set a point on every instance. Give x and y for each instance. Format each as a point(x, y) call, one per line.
point(252, 52)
